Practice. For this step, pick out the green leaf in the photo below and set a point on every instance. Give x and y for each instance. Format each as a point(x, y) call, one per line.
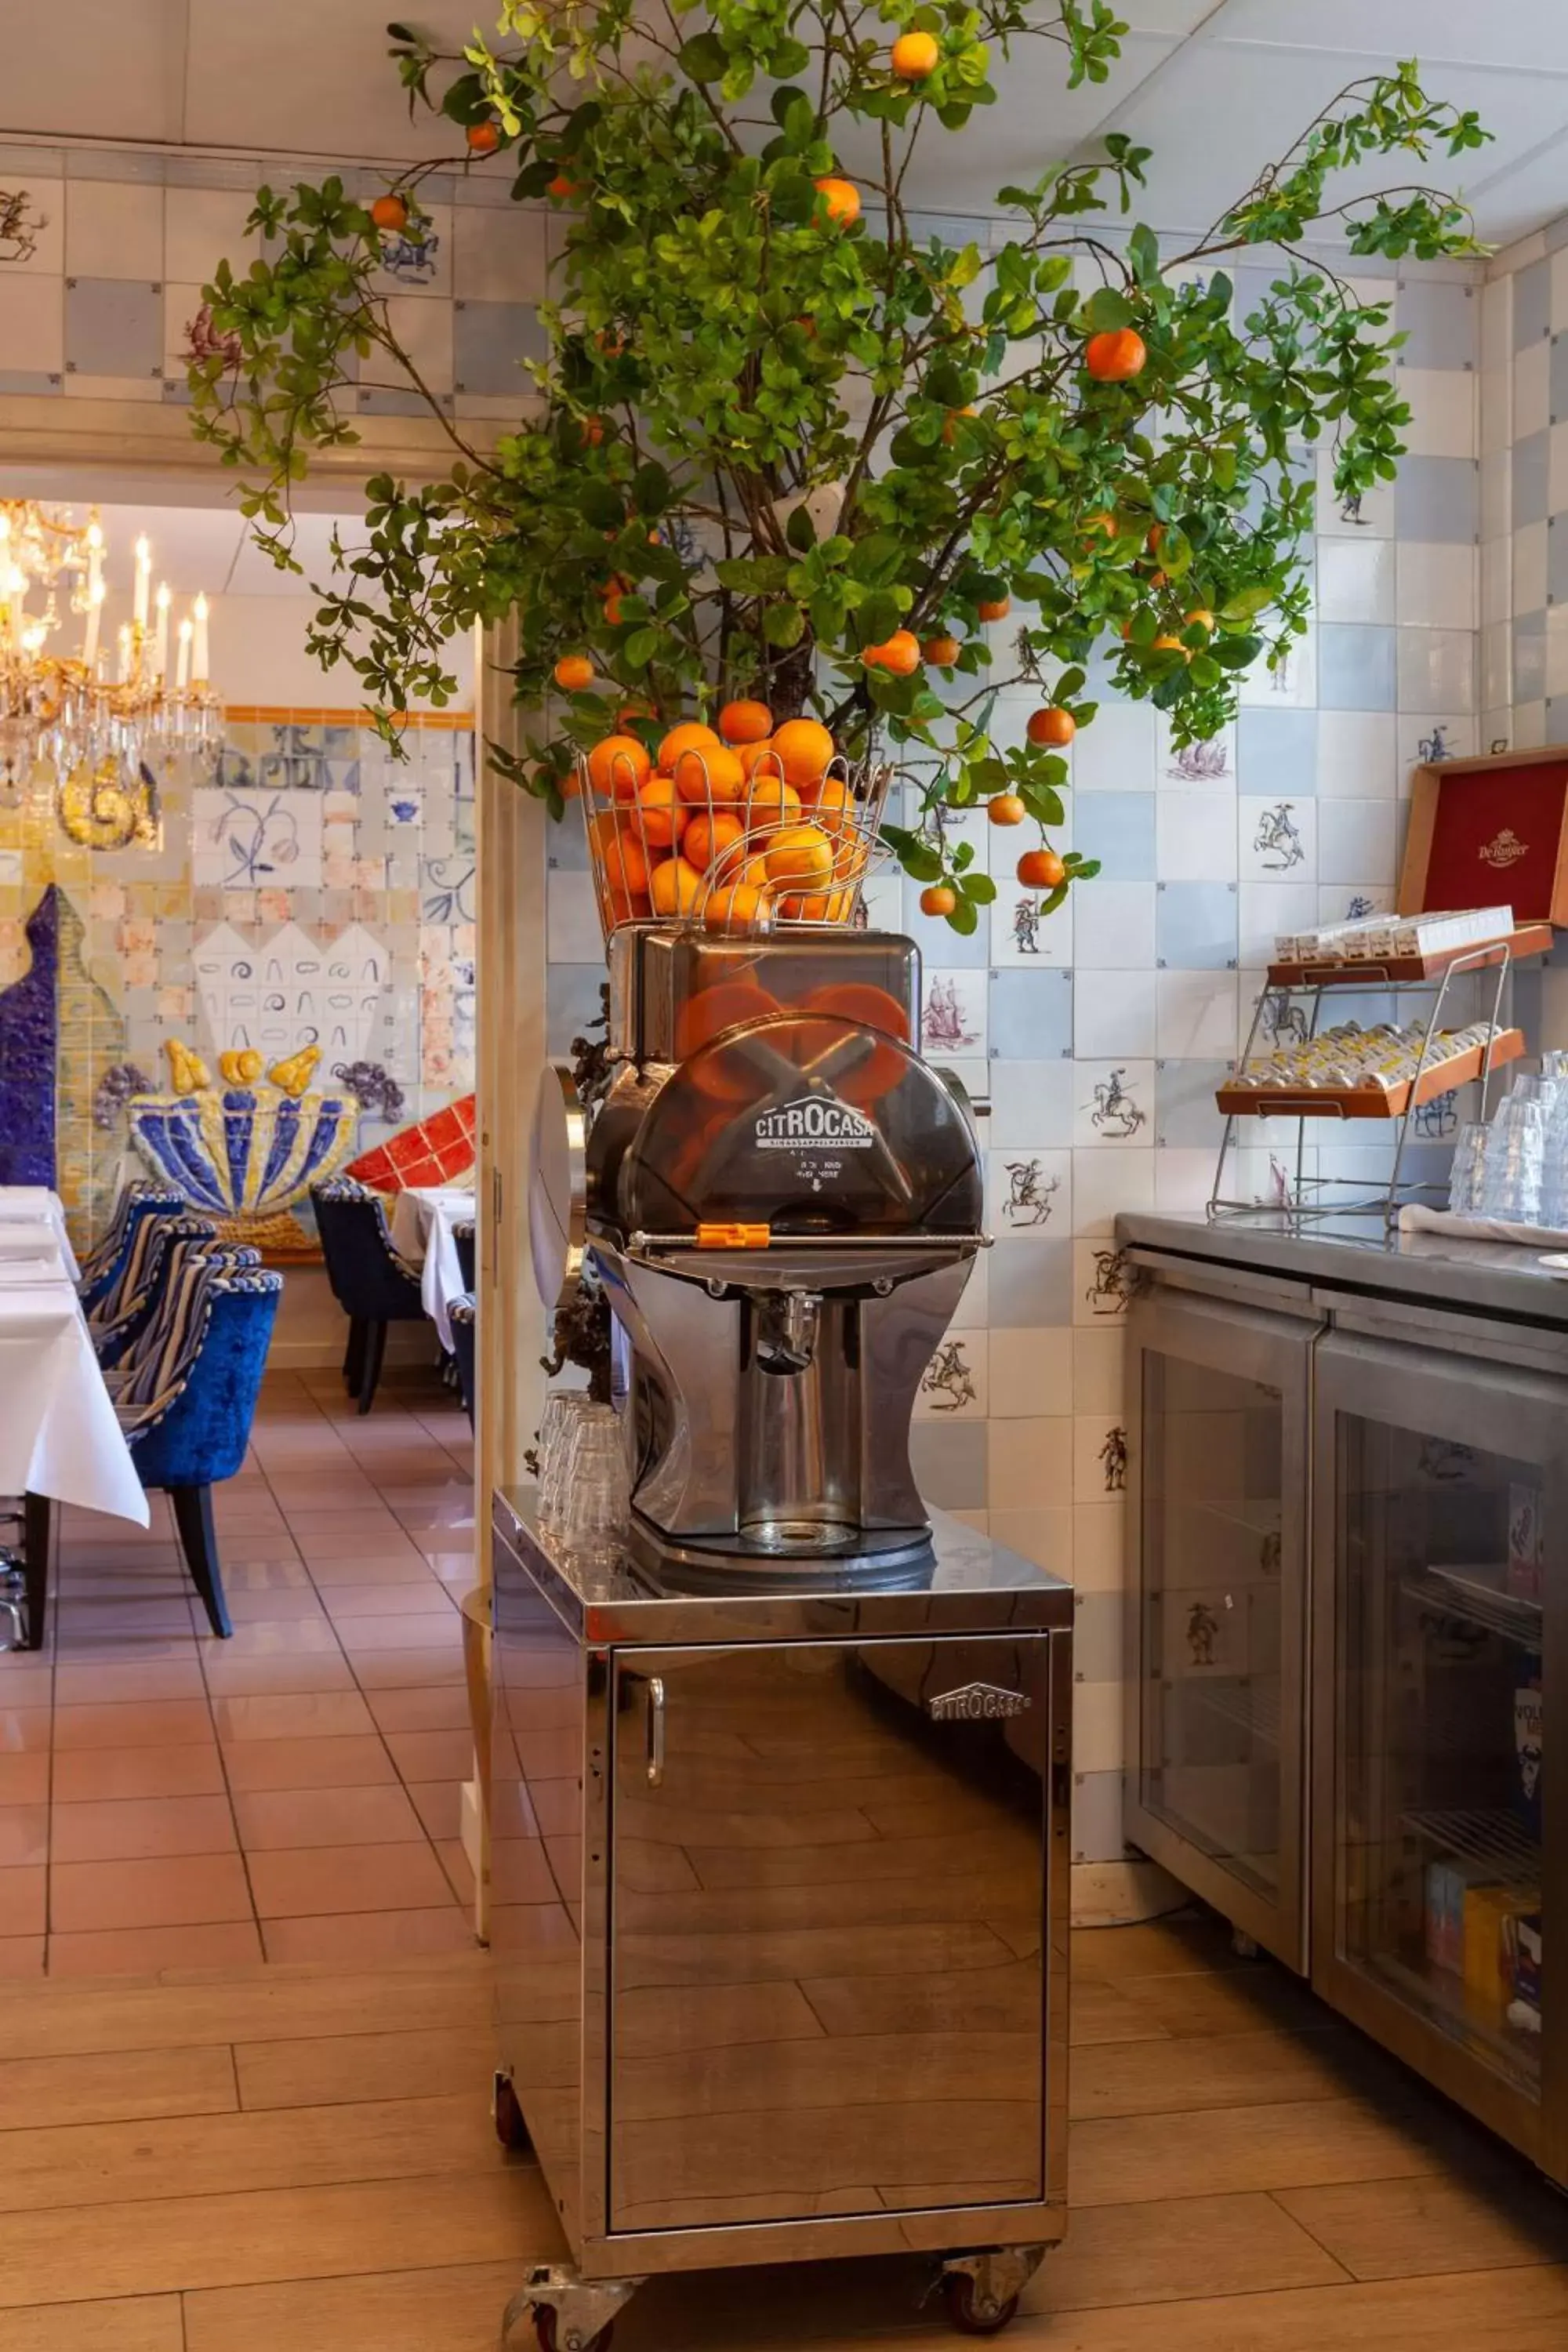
point(601, 507)
point(979, 888)
point(784, 626)
point(640, 647)
point(964, 918)
point(704, 58)
point(1107, 309)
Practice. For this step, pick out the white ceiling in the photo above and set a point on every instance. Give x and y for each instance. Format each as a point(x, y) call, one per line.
point(1216, 87)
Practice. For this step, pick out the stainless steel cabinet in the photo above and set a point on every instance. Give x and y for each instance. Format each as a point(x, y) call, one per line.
point(1441, 1549)
point(1219, 1407)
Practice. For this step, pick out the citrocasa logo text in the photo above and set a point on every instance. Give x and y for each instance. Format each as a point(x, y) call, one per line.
point(814, 1122)
point(977, 1703)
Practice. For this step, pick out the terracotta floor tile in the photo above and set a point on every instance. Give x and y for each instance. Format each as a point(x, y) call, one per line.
point(103, 1682)
point(139, 1829)
point(276, 1608)
point(353, 1602)
point(143, 1951)
point(136, 1723)
point(24, 1731)
point(320, 1715)
point(432, 1755)
point(96, 1620)
point(170, 1892)
point(24, 1779)
point(274, 1637)
point(353, 1763)
point(294, 1675)
point(286, 1820)
point(284, 1573)
point(24, 1835)
point(378, 1568)
point(443, 1709)
point(439, 1805)
point(21, 1955)
point(356, 1938)
point(409, 1669)
point(92, 1774)
point(413, 1633)
point(27, 1678)
point(316, 1881)
point(22, 1894)
point(460, 1870)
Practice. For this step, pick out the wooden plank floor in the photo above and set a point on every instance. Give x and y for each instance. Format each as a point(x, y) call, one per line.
point(282, 2158)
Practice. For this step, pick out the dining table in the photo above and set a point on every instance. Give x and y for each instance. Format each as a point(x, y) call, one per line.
point(421, 1228)
point(60, 1441)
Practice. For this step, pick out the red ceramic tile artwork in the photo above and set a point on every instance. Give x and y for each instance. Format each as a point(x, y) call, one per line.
point(435, 1151)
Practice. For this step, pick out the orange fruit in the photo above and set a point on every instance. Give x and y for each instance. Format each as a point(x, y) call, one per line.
point(758, 756)
point(484, 138)
point(1103, 522)
point(706, 838)
point(799, 858)
point(573, 672)
point(804, 748)
point(1051, 726)
point(736, 909)
point(833, 805)
point(817, 906)
point(625, 866)
point(690, 736)
point(390, 212)
point(852, 857)
point(745, 722)
point(939, 900)
point(562, 186)
point(1115, 355)
point(613, 607)
point(770, 801)
point(995, 608)
point(708, 772)
point(1201, 619)
point(661, 817)
point(951, 421)
point(1006, 809)
point(755, 873)
point(914, 56)
point(901, 653)
point(1042, 869)
point(676, 888)
point(619, 765)
point(628, 906)
point(842, 198)
point(942, 652)
point(1169, 645)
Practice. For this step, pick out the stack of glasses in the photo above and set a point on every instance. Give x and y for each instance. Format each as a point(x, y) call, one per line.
point(1515, 1171)
point(584, 1489)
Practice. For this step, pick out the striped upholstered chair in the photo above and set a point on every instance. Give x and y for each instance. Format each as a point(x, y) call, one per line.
point(130, 1282)
point(140, 1204)
point(373, 1283)
point(461, 1314)
point(167, 1242)
point(186, 1396)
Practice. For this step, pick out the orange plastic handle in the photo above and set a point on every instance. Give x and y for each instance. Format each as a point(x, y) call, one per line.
point(733, 1236)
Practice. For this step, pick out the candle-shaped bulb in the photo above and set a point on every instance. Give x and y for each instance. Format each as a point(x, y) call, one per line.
point(95, 595)
point(183, 659)
point(161, 635)
point(124, 651)
point(199, 649)
point(144, 582)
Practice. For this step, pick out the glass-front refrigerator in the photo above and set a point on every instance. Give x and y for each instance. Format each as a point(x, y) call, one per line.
point(1218, 1490)
point(1442, 1527)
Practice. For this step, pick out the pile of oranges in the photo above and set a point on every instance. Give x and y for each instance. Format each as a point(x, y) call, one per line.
point(738, 826)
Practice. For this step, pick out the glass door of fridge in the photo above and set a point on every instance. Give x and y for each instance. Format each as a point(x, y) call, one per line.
point(1441, 1530)
point(1217, 1624)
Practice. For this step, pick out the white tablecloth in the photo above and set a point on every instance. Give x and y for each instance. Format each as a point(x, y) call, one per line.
point(422, 1229)
point(32, 1204)
point(59, 1435)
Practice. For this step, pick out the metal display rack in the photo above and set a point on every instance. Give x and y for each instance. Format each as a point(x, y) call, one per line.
point(1436, 1073)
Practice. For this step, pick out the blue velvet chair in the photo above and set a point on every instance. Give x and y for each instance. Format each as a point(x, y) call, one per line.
point(462, 1314)
point(139, 1203)
point(467, 1264)
point(370, 1281)
point(108, 1304)
point(167, 1242)
point(187, 1398)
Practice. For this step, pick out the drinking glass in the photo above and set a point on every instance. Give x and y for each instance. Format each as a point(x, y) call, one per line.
point(564, 1409)
point(1554, 1172)
point(1466, 1174)
point(595, 1508)
point(1515, 1160)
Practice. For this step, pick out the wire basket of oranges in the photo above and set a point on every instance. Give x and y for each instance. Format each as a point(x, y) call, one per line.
point(743, 828)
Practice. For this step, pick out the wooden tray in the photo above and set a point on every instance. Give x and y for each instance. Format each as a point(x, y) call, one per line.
point(1367, 1102)
point(1528, 940)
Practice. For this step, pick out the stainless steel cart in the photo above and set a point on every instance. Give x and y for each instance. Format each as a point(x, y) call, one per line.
point(781, 1917)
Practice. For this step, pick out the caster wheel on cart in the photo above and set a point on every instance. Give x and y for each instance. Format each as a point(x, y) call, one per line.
point(544, 2329)
point(961, 2296)
point(511, 2129)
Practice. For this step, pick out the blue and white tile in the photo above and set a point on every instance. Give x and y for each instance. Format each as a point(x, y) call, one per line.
point(425, 330)
point(1099, 1362)
point(1183, 1181)
point(1101, 1287)
point(1113, 925)
point(493, 345)
point(938, 942)
point(1528, 725)
point(1028, 1462)
point(1532, 303)
point(1028, 1191)
point(1107, 1183)
point(1031, 1289)
point(1356, 667)
point(571, 918)
point(1277, 840)
point(1438, 499)
point(1030, 1016)
point(418, 260)
point(1116, 753)
point(1531, 390)
point(1113, 1104)
point(1266, 910)
point(1100, 1542)
point(1369, 517)
point(1114, 1017)
point(955, 1385)
point(1437, 586)
point(1020, 936)
point(1556, 666)
point(1436, 669)
point(1531, 469)
point(114, 328)
point(113, 229)
point(1290, 682)
point(1031, 1373)
point(1440, 321)
point(1556, 482)
point(1357, 754)
point(1195, 926)
point(1442, 412)
point(499, 256)
point(32, 325)
point(1357, 842)
point(203, 226)
point(973, 1312)
point(1032, 1105)
point(1356, 579)
point(954, 1010)
point(1496, 581)
point(37, 249)
point(1452, 736)
point(1195, 836)
point(1120, 829)
point(1185, 1112)
point(1495, 516)
point(1530, 559)
point(1194, 1015)
point(1276, 751)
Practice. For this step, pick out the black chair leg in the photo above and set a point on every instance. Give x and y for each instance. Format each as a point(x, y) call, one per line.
point(353, 1355)
point(375, 1349)
point(198, 1541)
point(38, 1536)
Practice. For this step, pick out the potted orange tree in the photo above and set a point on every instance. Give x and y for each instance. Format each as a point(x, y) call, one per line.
point(790, 449)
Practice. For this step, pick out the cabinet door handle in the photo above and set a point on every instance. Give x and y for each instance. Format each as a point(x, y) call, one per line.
point(654, 1730)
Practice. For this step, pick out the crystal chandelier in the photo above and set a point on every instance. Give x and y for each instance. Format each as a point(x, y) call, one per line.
point(104, 729)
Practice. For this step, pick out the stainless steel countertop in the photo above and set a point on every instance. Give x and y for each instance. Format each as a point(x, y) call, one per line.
point(970, 1586)
point(1424, 1269)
